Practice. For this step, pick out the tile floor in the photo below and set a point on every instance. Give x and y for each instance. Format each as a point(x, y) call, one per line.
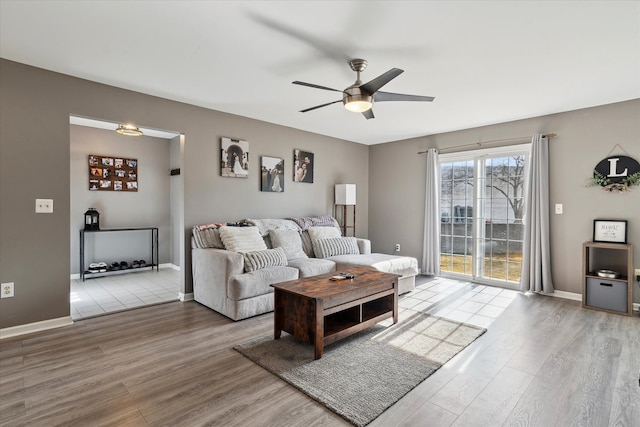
point(101, 295)
point(457, 300)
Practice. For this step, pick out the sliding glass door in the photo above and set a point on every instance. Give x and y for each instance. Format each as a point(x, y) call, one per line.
point(482, 214)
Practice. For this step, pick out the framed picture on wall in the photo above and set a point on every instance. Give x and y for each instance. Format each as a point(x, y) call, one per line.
point(302, 166)
point(234, 159)
point(610, 231)
point(272, 174)
point(112, 173)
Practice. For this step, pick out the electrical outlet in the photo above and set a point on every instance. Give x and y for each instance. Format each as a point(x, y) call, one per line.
point(397, 247)
point(7, 290)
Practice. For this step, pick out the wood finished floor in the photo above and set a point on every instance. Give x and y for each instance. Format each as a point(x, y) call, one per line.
point(543, 362)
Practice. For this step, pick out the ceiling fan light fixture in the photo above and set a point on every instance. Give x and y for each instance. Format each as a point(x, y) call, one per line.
point(358, 106)
point(128, 130)
point(356, 100)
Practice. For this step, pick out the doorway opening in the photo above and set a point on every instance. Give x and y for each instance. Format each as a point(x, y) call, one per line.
point(125, 270)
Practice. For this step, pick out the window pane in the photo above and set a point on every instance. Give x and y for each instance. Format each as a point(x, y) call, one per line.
point(497, 206)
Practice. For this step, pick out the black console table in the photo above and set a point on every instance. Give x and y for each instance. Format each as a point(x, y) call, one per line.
point(154, 250)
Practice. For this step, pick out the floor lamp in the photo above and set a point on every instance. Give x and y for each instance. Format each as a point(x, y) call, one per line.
point(345, 195)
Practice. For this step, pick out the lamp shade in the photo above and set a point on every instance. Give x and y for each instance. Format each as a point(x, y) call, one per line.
point(345, 194)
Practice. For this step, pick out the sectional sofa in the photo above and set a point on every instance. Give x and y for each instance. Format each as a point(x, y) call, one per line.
point(233, 265)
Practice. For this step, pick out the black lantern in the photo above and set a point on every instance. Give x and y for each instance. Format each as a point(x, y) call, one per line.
point(91, 219)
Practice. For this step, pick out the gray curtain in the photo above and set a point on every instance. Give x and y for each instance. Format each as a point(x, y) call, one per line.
point(431, 243)
point(536, 257)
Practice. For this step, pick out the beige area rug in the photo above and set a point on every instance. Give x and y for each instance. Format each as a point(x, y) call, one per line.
point(360, 377)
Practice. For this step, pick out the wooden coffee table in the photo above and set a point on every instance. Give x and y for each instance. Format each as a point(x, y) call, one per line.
point(320, 311)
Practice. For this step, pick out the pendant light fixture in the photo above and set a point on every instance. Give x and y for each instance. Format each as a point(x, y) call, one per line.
point(128, 130)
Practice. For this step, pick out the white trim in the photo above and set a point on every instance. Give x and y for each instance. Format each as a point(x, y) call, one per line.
point(75, 276)
point(566, 295)
point(35, 327)
point(578, 297)
point(185, 297)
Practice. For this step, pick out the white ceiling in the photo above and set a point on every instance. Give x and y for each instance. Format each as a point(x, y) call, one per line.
point(484, 61)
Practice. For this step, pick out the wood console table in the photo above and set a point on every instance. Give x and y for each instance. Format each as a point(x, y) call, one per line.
point(154, 242)
point(320, 311)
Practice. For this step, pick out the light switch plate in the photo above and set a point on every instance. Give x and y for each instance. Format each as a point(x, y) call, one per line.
point(559, 208)
point(44, 205)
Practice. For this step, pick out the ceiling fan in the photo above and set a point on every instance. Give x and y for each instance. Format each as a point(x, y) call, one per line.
point(359, 97)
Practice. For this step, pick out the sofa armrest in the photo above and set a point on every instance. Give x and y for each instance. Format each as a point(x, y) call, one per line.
point(211, 270)
point(364, 245)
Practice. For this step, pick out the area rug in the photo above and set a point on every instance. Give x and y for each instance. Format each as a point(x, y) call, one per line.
point(361, 376)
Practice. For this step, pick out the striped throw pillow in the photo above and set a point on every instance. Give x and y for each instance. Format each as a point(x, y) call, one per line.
point(258, 260)
point(325, 248)
point(207, 236)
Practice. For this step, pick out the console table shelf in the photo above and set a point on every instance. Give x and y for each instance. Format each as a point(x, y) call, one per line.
point(154, 244)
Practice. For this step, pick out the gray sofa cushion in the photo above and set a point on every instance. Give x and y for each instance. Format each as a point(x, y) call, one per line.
point(290, 241)
point(257, 282)
point(258, 260)
point(405, 266)
point(313, 266)
point(325, 248)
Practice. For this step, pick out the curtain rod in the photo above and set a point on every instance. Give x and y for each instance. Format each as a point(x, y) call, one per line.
point(481, 143)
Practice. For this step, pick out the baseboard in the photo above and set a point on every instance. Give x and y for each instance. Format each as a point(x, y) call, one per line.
point(566, 295)
point(185, 297)
point(75, 276)
point(578, 297)
point(30, 328)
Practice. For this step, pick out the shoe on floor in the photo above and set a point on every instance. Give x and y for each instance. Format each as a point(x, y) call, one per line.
point(94, 267)
point(124, 265)
point(102, 266)
point(114, 266)
point(135, 264)
point(142, 263)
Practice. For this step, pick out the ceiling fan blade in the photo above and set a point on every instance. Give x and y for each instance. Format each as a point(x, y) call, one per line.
point(368, 114)
point(320, 106)
point(375, 84)
point(388, 96)
point(315, 86)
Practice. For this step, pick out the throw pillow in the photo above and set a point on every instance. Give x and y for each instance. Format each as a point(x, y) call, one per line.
point(207, 236)
point(325, 248)
point(321, 232)
point(258, 260)
point(289, 241)
point(304, 222)
point(242, 239)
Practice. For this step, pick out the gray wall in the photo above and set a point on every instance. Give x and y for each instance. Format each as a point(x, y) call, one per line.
point(35, 106)
point(148, 207)
point(396, 202)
